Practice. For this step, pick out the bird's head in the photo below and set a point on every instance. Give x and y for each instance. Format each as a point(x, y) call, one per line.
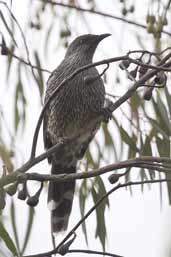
point(85, 45)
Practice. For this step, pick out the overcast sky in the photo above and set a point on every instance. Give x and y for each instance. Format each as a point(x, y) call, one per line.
point(136, 225)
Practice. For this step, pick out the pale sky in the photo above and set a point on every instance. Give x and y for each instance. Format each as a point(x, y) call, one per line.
point(137, 225)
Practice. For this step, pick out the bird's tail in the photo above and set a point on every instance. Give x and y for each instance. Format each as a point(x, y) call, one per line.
point(60, 199)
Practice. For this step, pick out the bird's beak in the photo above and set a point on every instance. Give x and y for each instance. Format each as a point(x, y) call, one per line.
point(102, 36)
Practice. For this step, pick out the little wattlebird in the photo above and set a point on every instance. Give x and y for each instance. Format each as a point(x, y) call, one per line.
point(71, 112)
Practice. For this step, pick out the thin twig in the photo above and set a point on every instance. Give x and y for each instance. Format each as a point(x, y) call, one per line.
point(78, 8)
point(24, 61)
point(93, 252)
point(94, 173)
point(24, 40)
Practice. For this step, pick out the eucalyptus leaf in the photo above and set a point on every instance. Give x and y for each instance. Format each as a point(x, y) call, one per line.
point(4, 235)
point(30, 221)
point(162, 116)
point(7, 27)
point(82, 201)
point(128, 139)
point(100, 215)
point(40, 73)
point(168, 98)
point(163, 147)
point(14, 225)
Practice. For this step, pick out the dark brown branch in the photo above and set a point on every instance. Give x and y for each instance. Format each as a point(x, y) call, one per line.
point(93, 252)
point(134, 163)
point(128, 58)
point(164, 164)
point(78, 8)
point(9, 52)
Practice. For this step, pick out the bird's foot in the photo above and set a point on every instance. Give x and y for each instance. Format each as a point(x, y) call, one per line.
point(63, 140)
point(107, 111)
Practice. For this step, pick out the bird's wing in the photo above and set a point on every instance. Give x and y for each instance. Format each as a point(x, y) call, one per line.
point(53, 82)
point(49, 90)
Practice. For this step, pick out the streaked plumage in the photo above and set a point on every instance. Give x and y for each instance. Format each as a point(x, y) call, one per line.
point(70, 113)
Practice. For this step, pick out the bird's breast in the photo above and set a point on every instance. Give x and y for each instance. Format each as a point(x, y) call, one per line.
point(76, 105)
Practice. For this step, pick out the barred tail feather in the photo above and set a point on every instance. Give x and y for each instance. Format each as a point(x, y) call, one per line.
point(60, 199)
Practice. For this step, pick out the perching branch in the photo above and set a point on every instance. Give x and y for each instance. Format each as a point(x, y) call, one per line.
point(162, 65)
point(93, 252)
point(161, 164)
point(153, 163)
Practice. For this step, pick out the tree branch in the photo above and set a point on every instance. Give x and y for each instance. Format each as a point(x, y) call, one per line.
point(133, 163)
point(78, 8)
point(9, 52)
point(32, 161)
point(93, 252)
point(161, 66)
point(162, 164)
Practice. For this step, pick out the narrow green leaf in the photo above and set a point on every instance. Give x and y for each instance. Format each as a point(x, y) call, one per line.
point(100, 152)
point(100, 215)
point(147, 151)
point(142, 171)
point(135, 101)
point(82, 200)
point(164, 113)
point(2, 199)
point(163, 147)
point(107, 136)
point(131, 154)
point(14, 226)
point(48, 34)
point(7, 27)
point(19, 113)
point(16, 110)
point(118, 156)
point(161, 191)
point(168, 98)
point(109, 141)
point(162, 116)
point(5, 155)
point(29, 228)
point(128, 140)
point(147, 147)
point(7, 240)
point(90, 160)
point(158, 128)
point(40, 74)
point(101, 189)
point(9, 63)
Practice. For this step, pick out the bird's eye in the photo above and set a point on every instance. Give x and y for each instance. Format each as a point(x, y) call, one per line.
point(81, 41)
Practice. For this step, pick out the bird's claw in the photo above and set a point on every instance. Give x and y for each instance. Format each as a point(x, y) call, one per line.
point(63, 140)
point(107, 111)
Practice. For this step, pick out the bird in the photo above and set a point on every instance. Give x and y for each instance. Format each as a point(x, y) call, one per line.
point(73, 111)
